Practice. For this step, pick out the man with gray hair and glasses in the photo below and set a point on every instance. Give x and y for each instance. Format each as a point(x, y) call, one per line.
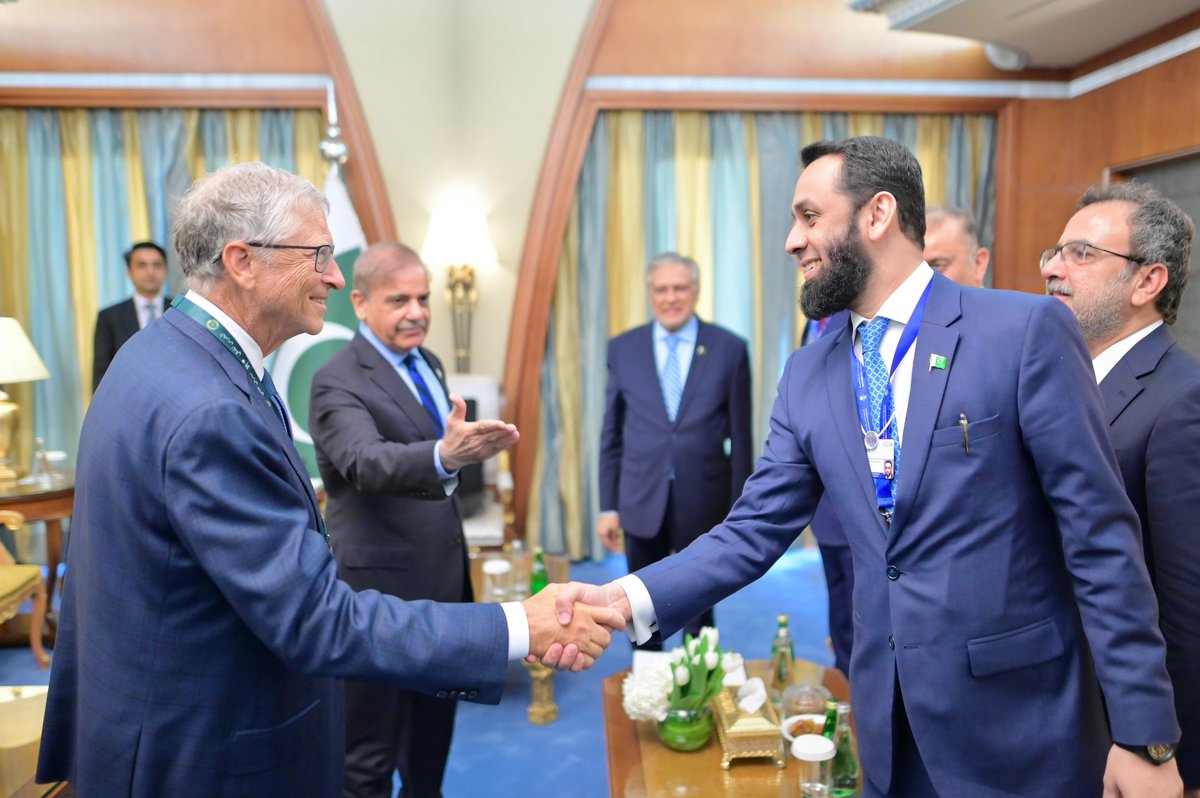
point(1122, 266)
point(204, 633)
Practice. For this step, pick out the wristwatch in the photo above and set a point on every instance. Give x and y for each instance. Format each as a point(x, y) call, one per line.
point(1157, 753)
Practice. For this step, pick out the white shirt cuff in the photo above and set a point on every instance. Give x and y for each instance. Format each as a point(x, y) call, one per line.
point(449, 481)
point(642, 607)
point(518, 629)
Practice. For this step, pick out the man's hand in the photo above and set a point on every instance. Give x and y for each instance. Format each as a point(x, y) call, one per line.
point(467, 442)
point(576, 640)
point(570, 599)
point(1127, 775)
point(608, 528)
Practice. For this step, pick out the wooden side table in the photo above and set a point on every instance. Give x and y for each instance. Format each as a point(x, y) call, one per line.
point(49, 504)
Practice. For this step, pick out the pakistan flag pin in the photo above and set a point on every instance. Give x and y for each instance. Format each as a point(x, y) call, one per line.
point(937, 362)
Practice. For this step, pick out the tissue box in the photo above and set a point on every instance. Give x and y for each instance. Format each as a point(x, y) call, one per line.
point(746, 735)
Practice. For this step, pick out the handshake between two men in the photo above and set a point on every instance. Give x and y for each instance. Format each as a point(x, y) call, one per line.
point(570, 625)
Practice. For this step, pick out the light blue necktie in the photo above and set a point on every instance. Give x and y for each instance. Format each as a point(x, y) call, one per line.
point(672, 382)
point(871, 332)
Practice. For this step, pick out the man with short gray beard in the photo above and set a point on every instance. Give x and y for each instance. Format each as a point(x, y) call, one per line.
point(1122, 266)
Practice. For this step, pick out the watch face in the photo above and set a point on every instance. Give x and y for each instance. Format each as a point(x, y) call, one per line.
point(1160, 752)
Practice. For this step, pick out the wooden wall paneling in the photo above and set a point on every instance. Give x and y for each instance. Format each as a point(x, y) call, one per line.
point(1004, 263)
point(21, 97)
point(539, 259)
point(740, 101)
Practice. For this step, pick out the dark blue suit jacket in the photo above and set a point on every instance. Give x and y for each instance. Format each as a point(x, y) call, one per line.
point(203, 628)
point(1011, 576)
point(640, 446)
point(1152, 396)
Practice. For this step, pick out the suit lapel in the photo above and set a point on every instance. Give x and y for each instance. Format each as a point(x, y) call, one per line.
point(1123, 383)
point(696, 369)
point(384, 375)
point(129, 319)
point(927, 389)
point(843, 414)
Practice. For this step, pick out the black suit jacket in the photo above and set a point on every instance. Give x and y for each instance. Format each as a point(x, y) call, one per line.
point(392, 526)
point(1152, 397)
point(115, 325)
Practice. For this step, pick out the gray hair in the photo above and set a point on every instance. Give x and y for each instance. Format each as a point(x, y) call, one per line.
point(964, 217)
point(381, 259)
point(1159, 232)
point(240, 202)
point(673, 259)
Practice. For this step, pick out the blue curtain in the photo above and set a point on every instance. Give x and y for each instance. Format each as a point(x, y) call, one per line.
point(733, 251)
point(110, 189)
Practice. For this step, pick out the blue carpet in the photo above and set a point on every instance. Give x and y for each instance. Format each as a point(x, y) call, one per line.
point(498, 752)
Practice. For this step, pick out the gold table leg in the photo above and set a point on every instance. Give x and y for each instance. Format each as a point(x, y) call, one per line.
point(542, 709)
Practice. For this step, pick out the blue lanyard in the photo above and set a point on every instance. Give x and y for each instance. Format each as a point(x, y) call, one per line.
point(860, 374)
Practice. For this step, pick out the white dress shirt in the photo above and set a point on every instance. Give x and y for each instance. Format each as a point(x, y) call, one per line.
point(898, 308)
point(147, 309)
point(514, 612)
point(1104, 362)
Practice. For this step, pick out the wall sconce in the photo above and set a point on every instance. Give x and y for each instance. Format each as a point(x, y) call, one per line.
point(20, 364)
point(458, 239)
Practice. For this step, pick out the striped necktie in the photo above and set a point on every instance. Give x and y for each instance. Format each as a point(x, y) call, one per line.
point(672, 381)
point(423, 393)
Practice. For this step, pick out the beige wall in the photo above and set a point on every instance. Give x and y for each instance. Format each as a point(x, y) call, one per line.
point(462, 93)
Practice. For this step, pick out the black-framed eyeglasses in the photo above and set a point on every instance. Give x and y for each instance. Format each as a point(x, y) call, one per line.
point(1081, 253)
point(322, 253)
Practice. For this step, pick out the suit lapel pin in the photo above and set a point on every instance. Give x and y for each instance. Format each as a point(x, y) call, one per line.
point(700, 350)
point(937, 362)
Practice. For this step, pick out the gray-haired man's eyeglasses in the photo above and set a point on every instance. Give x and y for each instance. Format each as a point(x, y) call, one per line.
point(322, 254)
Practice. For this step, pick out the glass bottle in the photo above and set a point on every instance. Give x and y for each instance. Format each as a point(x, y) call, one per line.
point(815, 755)
point(783, 657)
point(41, 471)
point(538, 577)
point(845, 758)
point(831, 719)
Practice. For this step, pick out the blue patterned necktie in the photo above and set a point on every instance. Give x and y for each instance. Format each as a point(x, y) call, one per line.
point(410, 361)
point(672, 382)
point(878, 396)
point(276, 402)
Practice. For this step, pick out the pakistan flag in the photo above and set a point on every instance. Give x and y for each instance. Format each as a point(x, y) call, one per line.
point(294, 365)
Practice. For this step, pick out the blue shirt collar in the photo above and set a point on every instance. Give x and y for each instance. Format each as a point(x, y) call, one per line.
point(390, 355)
point(687, 333)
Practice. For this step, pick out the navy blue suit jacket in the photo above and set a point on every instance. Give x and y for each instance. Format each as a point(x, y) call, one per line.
point(115, 325)
point(203, 630)
point(640, 446)
point(1152, 396)
point(1011, 576)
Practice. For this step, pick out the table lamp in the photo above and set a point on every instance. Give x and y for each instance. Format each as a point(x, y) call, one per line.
point(19, 364)
point(458, 239)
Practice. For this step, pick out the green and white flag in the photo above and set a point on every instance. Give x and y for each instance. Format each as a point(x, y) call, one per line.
point(294, 365)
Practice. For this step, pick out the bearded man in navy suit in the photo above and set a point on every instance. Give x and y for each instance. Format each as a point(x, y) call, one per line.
point(675, 447)
point(1005, 625)
point(1121, 266)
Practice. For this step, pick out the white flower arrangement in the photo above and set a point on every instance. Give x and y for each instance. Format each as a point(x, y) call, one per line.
point(689, 678)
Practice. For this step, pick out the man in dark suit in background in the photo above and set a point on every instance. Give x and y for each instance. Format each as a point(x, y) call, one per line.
point(952, 246)
point(204, 631)
point(1122, 267)
point(146, 265)
point(389, 443)
point(1005, 628)
point(675, 448)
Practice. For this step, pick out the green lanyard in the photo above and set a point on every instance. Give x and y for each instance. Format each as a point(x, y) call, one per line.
point(194, 311)
point(219, 332)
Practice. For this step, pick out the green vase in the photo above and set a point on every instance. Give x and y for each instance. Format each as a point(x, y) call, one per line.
point(686, 729)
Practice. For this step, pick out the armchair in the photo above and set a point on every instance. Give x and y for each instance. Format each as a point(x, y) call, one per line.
point(18, 583)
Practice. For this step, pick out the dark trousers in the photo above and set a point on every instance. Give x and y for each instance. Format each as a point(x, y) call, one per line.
point(640, 552)
point(910, 779)
point(389, 729)
point(839, 579)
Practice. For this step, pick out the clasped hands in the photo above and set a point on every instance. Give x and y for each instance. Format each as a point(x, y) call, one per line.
point(571, 625)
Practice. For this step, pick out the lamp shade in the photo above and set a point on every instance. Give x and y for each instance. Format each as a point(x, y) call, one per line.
point(458, 235)
point(20, 361)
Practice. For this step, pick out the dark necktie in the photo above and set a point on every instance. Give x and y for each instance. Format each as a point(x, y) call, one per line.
point(276, 402)
point(410, 362)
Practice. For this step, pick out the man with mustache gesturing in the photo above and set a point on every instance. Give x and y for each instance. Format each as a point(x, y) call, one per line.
point(390, 441)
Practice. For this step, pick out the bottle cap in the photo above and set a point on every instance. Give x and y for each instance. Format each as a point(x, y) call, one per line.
point(495, 567)
point(783, 619)
point(813, 748)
